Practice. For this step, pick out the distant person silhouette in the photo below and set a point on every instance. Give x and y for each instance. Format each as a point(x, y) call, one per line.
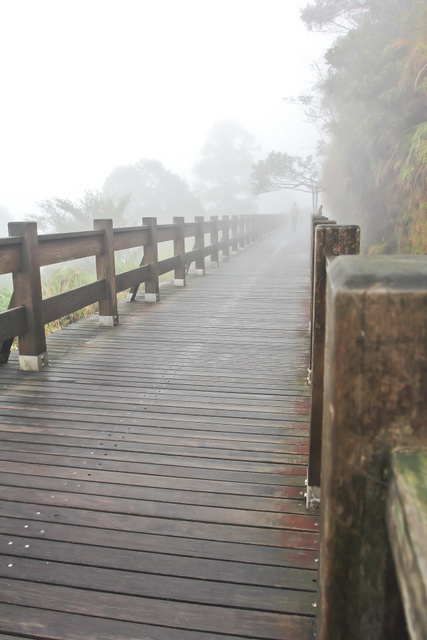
point(294, 216)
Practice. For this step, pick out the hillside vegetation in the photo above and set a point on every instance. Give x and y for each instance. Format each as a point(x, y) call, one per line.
point(372, 103)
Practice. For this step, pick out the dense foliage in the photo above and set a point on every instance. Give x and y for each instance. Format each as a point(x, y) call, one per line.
point(373, 105)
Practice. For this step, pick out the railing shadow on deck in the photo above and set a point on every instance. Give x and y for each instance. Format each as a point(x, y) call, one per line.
point(25, 252)
point(368, 438)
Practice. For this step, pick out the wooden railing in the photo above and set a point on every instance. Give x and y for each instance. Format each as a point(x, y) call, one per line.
point(25, 252)
point(368, 452)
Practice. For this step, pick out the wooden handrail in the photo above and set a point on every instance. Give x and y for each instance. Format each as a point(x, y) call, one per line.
point(25, 252)
point(65, 303)
point(130, 238)
point(10, 255)
point(133, 278)
point(13, 321)
point(61, 247)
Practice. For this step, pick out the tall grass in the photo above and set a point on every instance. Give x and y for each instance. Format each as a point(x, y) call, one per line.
point(71, 275)
point(5, 295)
point(63, 279)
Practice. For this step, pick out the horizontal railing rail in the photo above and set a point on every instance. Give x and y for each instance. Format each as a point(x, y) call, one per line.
point(25, 252)
point(368, 438)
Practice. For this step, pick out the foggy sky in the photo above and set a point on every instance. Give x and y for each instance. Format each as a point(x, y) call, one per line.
point(91, 84)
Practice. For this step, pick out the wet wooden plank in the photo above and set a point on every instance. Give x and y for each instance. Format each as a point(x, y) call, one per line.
point(178, 448)
point(170, 432)
point(22, 522)
point(285, 475)
point(169, 494)
point(179, 514)
point(16, 545)
point(287, 463)
point(217, 590)
point(221, 489)
point(143, 610)
point(42, 623)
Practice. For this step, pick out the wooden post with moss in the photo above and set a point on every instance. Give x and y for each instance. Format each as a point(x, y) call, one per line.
point(375, 402)
point(105, 270)
point(27, 292)
point(406, 517)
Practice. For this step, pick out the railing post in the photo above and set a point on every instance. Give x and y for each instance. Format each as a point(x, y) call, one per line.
point(247, 230)
point(179, 250)
point(214, 241)
point(315, 221)
point(106, 270)
point(375, 384)
point(235, 234)
point(151, 257)
point(225, 238)
point(252, 228)
point(27, 291)
point(199, 244)
point(331, 240)
point(258, 231)
point(242, 232)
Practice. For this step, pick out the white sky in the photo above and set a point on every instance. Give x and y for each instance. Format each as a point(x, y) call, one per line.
point(87, 85)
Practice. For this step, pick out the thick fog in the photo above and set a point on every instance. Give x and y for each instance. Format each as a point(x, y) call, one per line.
point(89, 86)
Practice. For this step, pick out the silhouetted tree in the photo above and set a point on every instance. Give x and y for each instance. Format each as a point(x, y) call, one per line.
point(223, 170)
point(341, 15)
point(60, 216)
point(282, 171)
point(153, 191)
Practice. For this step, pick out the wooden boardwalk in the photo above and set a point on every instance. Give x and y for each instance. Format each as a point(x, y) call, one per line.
point(152, 478)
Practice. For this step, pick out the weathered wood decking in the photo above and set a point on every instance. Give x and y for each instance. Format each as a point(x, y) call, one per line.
point(152, 478)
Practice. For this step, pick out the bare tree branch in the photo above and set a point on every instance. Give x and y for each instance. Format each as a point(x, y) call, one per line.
point(282, 171)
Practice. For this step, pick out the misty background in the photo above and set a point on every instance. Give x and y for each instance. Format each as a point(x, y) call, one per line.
point(142, 107)
point(89, 86)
